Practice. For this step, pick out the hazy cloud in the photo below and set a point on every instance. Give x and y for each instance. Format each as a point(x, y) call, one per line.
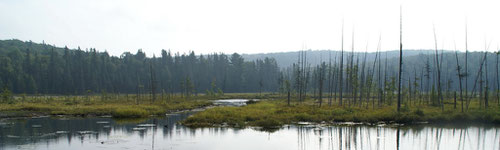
point(248, 26)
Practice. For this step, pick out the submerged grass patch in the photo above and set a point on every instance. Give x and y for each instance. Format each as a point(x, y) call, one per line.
point(277, 113)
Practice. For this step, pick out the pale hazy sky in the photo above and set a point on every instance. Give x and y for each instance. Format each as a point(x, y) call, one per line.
point(250, 26)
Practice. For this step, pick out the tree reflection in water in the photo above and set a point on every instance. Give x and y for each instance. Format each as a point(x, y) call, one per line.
point(106, 133)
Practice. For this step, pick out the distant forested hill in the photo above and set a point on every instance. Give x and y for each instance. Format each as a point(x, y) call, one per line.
point(286, 59)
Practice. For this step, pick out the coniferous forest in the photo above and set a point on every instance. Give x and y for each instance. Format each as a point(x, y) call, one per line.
point(30, 68)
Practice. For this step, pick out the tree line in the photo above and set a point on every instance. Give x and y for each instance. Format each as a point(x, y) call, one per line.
point(31, 68)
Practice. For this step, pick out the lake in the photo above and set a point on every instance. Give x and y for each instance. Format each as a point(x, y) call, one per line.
point(164, 133)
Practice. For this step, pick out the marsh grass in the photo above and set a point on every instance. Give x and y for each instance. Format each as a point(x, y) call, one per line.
point(277, 113)
point(119, 106)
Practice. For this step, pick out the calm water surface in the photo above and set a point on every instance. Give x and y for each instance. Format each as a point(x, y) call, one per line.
point(106, 133)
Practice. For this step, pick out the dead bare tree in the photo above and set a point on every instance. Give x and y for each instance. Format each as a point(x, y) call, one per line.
point(362, 84)
point(475, 82)
point(355, 80)
point(377, 58)
point(329, 78)
point(486, 88)
point(466, 74)
point(438, 65)
point(351, 74)
point(336, 78)
point(416, 85)
point(460, 75)
point(301, 78)
point(321, 80)
point(333, 79)
point(153, 83)
point(341, 71)
point(400, 56)
point(298, 76)
point(428, 77)
point(137, 96)
point(384, 85)
point(497, 76)
point(422, 89)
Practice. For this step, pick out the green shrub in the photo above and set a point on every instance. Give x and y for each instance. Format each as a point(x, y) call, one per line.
point(268, 123)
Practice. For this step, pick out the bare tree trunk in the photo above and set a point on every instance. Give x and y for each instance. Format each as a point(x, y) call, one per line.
point(498, 81)
point(362, 84)
point(336, 79)
point(356, 81)
point(438, 65)
point(428, 76)
point(383, 91)
point(487, 83)
point(341, 71)
point(138, 88)
point(330, 79)
point(400, 57)
point(474, 87)
point(153, 86)
point(321, 76)
point(297, 79)
point(371, 75)
point(422, 90)
point(460, 75)
point(305, 76)
point(466, 74)
point(481, 87)
point(351, 74)
point(300, 75)
point(415, 85)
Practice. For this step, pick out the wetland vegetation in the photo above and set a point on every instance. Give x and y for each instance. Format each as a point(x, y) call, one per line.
point(40, 79)
point(274, 114)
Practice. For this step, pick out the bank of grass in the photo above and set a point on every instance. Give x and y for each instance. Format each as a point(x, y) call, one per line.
point(118, 107)
point(276, 113)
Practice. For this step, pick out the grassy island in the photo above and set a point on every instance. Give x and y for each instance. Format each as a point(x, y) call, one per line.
point(277, 113)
